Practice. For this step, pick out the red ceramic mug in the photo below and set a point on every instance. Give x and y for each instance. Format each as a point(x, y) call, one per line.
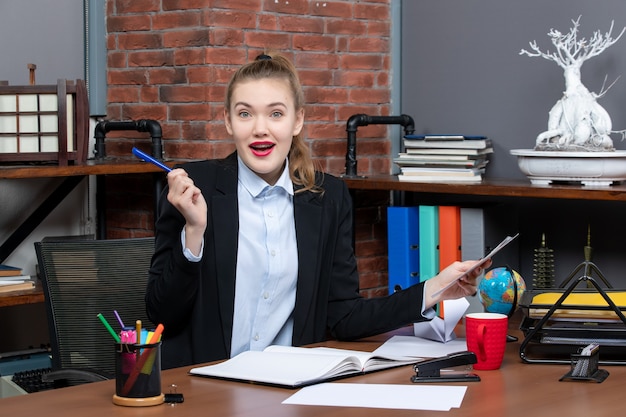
point(486, 337)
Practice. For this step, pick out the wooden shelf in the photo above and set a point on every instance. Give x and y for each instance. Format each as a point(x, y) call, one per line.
point(495, 187)
point(91, 167)
point(13, 298)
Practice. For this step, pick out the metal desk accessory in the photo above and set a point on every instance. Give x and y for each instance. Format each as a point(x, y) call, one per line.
point(439, 369)
point(585, 366)
point(559, 329)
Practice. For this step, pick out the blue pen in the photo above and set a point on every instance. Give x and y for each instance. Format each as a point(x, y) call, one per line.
point(141, 155)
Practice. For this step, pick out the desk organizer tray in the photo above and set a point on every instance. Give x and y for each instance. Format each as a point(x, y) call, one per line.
point(557, 322)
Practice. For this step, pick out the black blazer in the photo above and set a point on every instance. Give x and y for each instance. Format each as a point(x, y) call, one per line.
point(195, 301)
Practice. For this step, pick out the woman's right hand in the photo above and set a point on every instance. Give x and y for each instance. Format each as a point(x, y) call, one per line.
point(189, 201)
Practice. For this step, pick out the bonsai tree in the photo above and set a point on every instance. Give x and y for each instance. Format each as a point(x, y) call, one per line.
point(576, 122)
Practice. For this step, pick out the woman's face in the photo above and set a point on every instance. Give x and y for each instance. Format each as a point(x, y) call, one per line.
point(262, 119)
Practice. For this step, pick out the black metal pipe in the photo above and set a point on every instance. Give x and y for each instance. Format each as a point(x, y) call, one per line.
point(143, 125)
point(357, 120)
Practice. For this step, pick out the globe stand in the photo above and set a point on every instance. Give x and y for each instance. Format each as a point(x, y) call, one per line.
point(509, 337)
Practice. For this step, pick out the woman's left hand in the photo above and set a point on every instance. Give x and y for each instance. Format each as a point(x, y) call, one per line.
point(464, 286)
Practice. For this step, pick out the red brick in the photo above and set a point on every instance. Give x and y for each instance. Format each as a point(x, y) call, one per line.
point(267, 40)
point(144, 111)
point(128, 23)
point(122, 95)
point(139, 40)
point(149, 94)
point(183, 4)
point(184, 94)
point(127, 77)
point(356, 78)
point(346, 27)
point(167, 76)
point(116, 60)
point(371, 11)
point(315, 77)
point(189, 111)
point(369, 45)
point(186, 38)
point(327, 94)
point(371, 95)
point(379, 28)
point(225, 56)
point(176, 20)
point(238, 20)
point(301, 24)
point(189, 56)
point(332, 9)
point(150, 59)
point(362, 61)
point(267, 22)
point(314, 43)
point(250, 5)
point(136, 6)
point(320, 113)
point(295, 7)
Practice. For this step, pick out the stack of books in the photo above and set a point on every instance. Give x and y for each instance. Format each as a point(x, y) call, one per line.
point(444, 158)
point(12, 279)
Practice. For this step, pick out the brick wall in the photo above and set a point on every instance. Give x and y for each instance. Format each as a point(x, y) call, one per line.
point(170, 60)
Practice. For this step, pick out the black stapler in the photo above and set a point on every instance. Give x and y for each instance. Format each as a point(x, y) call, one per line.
point(430, 370)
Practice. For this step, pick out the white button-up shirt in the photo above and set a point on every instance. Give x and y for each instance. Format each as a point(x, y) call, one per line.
point(267, 263)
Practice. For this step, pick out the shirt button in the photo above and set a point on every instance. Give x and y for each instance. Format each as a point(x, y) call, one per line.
point(256, 337)
point(266, 295)
point(270, 214)
point(273, 252)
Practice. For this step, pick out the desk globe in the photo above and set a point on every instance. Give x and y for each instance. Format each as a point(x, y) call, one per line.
point(500, 290)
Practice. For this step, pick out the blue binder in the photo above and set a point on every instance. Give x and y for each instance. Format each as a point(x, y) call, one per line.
point(403, 247)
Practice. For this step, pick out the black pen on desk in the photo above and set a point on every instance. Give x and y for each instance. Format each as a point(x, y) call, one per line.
point(141, 155)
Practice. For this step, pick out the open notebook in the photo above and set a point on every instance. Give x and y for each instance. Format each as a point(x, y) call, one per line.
point(294, 367)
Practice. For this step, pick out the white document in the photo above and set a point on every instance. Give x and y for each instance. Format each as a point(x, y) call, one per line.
point(442, 329)
point(420, 348)
point(480, 262)
point(392, 396)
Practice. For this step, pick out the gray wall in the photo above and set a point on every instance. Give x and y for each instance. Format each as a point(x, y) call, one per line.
point(47, 33)
point(462, 72)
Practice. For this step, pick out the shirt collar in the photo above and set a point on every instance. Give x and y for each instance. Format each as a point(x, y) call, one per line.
point(255, 184)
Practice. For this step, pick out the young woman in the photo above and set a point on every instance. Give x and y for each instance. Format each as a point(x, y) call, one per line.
point(256, 249)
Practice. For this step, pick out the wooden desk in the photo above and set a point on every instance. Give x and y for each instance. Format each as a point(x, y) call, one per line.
point(517, 389)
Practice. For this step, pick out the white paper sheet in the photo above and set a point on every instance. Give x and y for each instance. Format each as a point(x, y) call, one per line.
point(411, 397)
point(480, 262)
point(418, 347)
point(442, 329)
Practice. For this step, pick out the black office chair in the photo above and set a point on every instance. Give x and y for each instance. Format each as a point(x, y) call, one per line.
point(82, 278)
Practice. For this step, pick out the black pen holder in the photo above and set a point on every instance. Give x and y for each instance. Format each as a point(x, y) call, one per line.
point(138, 375)
point(585, 368)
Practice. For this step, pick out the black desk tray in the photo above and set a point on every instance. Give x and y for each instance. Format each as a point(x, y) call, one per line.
point(553, 332)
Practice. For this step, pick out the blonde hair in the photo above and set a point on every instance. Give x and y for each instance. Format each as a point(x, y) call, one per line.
point(272, 65)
